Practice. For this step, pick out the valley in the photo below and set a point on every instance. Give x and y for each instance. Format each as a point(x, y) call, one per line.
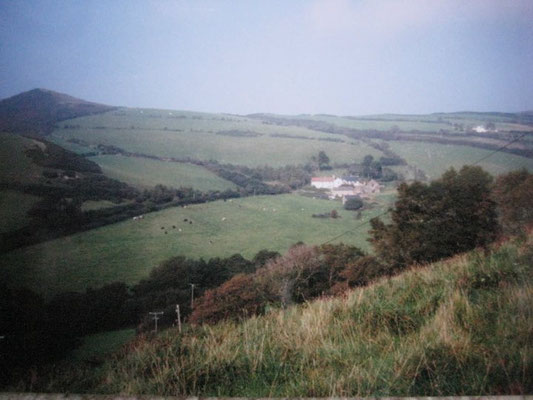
point(98, 208)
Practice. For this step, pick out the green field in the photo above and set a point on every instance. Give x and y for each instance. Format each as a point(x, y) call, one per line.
point(15, 165)
point(146, 173)
point(158, 133)
point(425, 123)
point(13, 209)
point(91, 205)
point(128, 250)
point(434, 159)
point(101, 344)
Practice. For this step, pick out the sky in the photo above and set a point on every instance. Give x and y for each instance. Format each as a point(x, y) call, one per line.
point(343, 57)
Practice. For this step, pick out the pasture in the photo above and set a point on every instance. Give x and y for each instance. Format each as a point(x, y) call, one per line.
point(435, 159)
point(146, 173)
point(235, 140)
point(15, 165)
point(13, 209)
point(128, 250)
point(91, 205)
point(425, 123)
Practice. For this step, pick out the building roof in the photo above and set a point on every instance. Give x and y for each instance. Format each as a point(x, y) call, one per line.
point(322, 179)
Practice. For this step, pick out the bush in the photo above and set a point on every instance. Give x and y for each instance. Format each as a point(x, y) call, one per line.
point(354, 203)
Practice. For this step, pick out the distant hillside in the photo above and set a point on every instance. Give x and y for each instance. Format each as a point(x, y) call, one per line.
point(38, 110)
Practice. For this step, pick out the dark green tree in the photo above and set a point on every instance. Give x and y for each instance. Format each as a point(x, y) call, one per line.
point(323, 160)
point(513, 193)
point(367, 161)
point(429, 222)
point(353, 203)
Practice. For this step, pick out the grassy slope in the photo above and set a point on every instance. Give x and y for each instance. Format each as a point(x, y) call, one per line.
point(145, 173)
point(426, 123)
point(101, 344)
point(458, 327)
point(197, 138)
point(13, 209)
point(127, 251)
point(434, 159)
point(96, 205)
point(15, 166)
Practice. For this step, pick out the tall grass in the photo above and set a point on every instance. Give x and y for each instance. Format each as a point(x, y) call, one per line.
point(459, 327)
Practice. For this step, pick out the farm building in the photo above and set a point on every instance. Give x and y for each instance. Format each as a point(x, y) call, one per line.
point(346, 186)
point(326, 182)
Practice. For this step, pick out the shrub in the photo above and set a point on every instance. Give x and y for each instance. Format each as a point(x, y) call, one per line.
point(353, 203)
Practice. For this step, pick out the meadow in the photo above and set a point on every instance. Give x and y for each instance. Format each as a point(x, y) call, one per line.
point(424, 123)
point(128, 250)
point(13, 209)
point(434, 159)
point(15, 165)
point(146, 173)
point(181, 135)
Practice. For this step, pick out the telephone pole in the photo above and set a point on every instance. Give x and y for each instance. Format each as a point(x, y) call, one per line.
point(192, 294)
point(155, 316)
point(179, 317)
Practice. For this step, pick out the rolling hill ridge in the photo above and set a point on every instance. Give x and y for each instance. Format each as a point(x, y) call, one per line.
point(38, 110)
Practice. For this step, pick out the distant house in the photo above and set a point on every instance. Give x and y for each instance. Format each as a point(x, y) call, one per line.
point(373, 186)
point(322, 182)
point(479, 129)
point(346, 186)
point(350, 180)
point(326, 182)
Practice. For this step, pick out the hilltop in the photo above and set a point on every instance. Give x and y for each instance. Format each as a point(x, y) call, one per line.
point(38, 110)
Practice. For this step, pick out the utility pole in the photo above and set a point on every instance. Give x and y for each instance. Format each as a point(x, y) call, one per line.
point(179, 317)
point(155, 316)
point(192, 294)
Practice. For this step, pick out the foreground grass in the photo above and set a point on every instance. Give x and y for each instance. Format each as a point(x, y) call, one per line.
point(128, 250)
point(459, 327)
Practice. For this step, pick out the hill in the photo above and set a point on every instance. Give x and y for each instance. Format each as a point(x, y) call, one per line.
point(458, 327)
point(38, 110)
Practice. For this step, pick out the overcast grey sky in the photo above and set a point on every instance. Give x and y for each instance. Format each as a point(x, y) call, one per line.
point(316, 56)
